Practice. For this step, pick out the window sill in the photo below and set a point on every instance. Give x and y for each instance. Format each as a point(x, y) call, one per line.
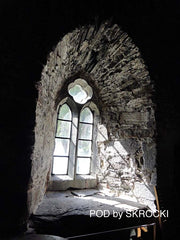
point(85, 177)
point(60, 178)
point(63, 182)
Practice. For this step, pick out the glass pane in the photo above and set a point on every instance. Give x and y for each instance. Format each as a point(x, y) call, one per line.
point(60, 165)
point(86, 116)
point(63, 129)
point(78, 94)
point(61, 147)
point(85, 131)
point(84, 148)
point(83, 166)
point(65, 112)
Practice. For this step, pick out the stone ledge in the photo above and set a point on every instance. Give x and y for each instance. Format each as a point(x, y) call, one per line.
point(64, 182)
point(80, 202)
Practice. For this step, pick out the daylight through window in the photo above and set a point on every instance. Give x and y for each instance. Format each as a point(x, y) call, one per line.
point(74, 148)
point(62, 140)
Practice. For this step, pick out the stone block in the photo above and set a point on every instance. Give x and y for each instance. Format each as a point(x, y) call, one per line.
point(102, 133)
point(149, 154)
point(143, 191)
point(134, 117)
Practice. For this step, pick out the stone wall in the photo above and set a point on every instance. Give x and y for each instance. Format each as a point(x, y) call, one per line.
point(110, 62)
point(127, 166)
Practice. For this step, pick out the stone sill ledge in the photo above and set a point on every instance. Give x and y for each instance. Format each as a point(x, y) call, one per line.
point(79, 202)
point(63, 182)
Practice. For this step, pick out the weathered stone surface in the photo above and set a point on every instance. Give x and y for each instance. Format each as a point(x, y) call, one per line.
point(110, 62)
point(68, 203)
point(145, 194)
point(134, 118)
point(149, 154)
point(66, 183)
point(140, 191)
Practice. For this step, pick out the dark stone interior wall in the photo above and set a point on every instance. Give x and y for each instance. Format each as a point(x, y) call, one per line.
point(28, 32)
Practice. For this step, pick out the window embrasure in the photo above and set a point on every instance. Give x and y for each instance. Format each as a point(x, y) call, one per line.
point(75, 140)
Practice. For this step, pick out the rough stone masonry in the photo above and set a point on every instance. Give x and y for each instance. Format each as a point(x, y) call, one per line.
point(108, 59)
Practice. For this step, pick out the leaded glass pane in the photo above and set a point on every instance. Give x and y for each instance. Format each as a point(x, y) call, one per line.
point(86, 116)
point(60, 165)
point(65, 112)
point(84, 148)
point(85, 131)
point(61, 147)
point(83, 166)
point(63, 129)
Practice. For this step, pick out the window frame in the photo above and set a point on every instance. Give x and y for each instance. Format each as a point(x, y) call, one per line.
point(76, 110)
point(73, 133)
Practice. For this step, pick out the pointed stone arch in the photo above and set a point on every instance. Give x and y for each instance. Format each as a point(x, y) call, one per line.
point(111, 63)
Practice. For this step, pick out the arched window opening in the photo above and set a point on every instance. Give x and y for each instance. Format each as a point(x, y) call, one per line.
point(126, 133)
point(74, 139)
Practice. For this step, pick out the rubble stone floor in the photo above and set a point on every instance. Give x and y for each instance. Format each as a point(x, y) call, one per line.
point(67, 213)
point(81, 202)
